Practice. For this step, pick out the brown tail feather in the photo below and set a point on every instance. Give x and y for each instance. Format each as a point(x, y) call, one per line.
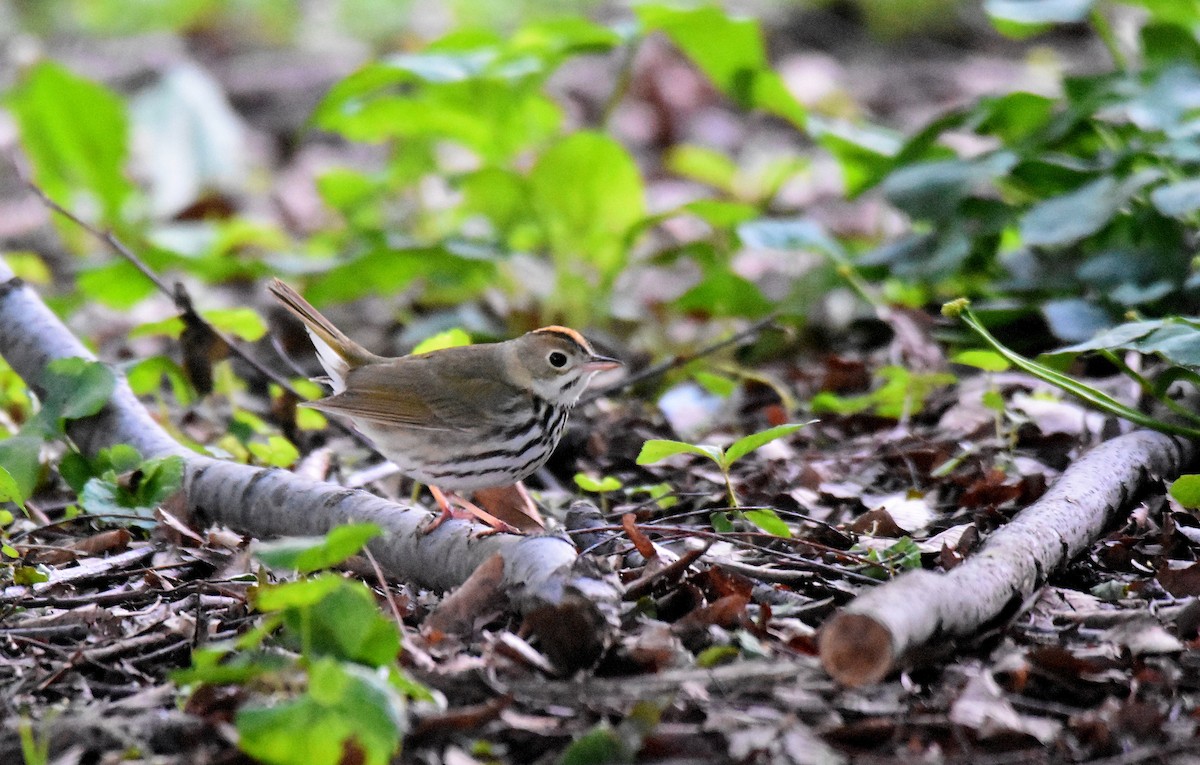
point(351, 353)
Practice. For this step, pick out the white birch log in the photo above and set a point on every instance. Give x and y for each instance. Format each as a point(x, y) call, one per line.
point(915, 614)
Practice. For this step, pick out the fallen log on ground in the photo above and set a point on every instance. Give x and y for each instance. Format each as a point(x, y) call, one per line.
point(569, 602)
point(896, 623)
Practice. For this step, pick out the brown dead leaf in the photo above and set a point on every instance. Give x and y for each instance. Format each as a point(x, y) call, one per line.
point(513, 505)
point(480, 597)
point(877, 523)
point(728, 612)
point(1180, 581)
point(643, 544)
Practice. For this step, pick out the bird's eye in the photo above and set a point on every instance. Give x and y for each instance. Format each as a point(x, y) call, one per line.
point(557, 359)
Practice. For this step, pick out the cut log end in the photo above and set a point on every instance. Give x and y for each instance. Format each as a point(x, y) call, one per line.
point(856, 649)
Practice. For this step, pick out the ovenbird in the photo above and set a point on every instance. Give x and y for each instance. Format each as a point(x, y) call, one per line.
point(462, 418)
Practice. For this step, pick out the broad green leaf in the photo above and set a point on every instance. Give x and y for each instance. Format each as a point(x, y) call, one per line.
point(933, 190)
point(770, 522)
point(865, 153)
point(1186, 490)
point(277, 451)
point(721, 523)
point(74, 132)
point(716, 384)
point(299, 594)
point(602, 745)
point(988, 361)
point(1178, 200)
point(146, 376)
point(657, 450)
point(719, 214)
point(448, 275)
point(343, 623)
point(1021, 18)
point(588, 195)
point(1066, 219)
point(601, 486)
point(243, 323)
point(117, 285)
point(1039, 11)
point(307, 554)
point(730, 52)
point(744, 446)
point(20, 458)
point(10, 491)
point(703, 164)
point(715, 656)
point(789, 234)
point(1074, 319)
point(724, 293)
point(346, 708)
point(74, 388)
point(451, 338)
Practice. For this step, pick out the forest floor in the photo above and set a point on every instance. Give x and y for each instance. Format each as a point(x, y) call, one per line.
point(714, 661)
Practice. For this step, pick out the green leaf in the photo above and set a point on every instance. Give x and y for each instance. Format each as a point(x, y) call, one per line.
point(1186, 490)
point(1037, 12)
point(602, 486)
point(721, 215)
point(307, 554)
point(74, 388)
point(160, 478)
point(298, 594)
point(702, 164)
point(1178, 200)
point(20, 458)
point(933, 190)
point(334, 617)
point(731, 54)
point(602, 745)
point(448, 275)
point(724, 293)
point(744, 446)
point(10, 491)
point(243, 323)
point(721, 522)
point(451, 338)
point(769, 521)
point(715, 656)
point(117, 285)
point(276, 452)
point(588, 194)
point(718, 385)
point(988, 361)
point(657, 450)
point(346, 709)
point(146, 376)
point(1066, 219)
point(74, 132)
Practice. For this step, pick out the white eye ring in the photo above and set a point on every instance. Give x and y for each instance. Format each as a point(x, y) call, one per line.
point(557, 359)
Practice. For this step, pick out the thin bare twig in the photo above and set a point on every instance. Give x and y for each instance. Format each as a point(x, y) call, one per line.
point(180, 297)
point(682, 359)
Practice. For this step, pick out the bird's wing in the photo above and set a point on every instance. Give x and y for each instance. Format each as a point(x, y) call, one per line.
point(465, 404)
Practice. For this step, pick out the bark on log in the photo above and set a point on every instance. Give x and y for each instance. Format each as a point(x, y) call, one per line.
point(569, 601)
point(895, 623)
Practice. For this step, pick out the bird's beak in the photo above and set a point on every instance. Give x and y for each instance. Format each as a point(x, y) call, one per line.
point(600, 363)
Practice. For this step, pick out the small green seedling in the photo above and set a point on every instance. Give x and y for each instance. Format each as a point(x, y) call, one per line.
point(600, 486)
point(657, 450)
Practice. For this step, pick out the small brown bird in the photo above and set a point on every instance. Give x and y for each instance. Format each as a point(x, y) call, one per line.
point(460, 419)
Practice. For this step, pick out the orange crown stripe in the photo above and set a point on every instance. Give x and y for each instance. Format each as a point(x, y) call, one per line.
point(568, 333)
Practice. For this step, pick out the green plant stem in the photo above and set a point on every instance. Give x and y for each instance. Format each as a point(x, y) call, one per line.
point(1087, 394)
point(1148, 387)
point(1105, 32)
